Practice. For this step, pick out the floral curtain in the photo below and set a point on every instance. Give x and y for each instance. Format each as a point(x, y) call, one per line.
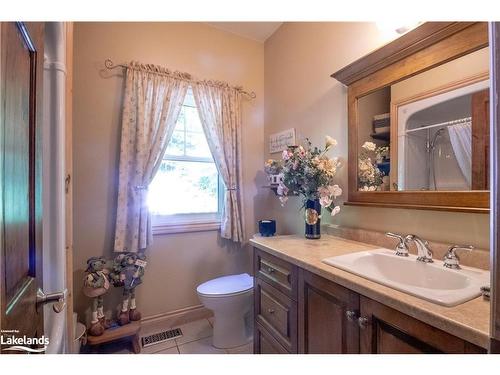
point(152, 103)
point(219, 107)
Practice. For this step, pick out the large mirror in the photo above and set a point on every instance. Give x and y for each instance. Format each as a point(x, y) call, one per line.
point(418, 111)
point(428, 132)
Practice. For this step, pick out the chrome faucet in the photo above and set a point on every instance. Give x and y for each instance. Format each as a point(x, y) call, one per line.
point(424, 252)
point(402, 246)
point(451, 259)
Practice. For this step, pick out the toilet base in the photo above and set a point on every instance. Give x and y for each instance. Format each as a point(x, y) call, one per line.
point(231, 332)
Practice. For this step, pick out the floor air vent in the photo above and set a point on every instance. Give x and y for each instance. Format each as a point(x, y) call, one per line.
point(157, 338)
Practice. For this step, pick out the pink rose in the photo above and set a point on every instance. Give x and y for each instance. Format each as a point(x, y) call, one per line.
point(323, 192)
point(286, 155)
point(335, 190)
point(302, 152)
point(335, 210)
point(325, 201)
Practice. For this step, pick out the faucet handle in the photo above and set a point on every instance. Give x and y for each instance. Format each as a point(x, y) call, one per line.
point(451, 259)
point(402, 247)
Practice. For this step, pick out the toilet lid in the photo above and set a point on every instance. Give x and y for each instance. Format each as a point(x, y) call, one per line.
point(227, 285)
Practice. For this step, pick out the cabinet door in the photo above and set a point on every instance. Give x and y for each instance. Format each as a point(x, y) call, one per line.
point(387, 331)
point(323, 324)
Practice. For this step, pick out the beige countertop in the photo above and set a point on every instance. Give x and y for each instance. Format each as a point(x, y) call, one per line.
point(469, 321)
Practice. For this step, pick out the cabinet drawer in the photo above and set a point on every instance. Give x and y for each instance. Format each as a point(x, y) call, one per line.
point(264, 343)
point(274, 312)
point(280, 274)
point(277, 313)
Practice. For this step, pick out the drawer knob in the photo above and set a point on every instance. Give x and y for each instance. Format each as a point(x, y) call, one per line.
point(270, 270)
point(351, 315)
point(363, 322)
point(270, 311)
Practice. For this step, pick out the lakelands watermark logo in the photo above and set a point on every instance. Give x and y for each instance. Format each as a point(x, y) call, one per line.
point(23, 343)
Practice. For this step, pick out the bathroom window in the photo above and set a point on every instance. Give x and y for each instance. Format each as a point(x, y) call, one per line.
point(186, 192)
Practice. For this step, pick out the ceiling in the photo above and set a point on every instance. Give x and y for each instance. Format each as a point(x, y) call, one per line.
point(258, 31)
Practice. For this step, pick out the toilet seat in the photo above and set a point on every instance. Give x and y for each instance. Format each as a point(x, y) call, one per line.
point(226, 286)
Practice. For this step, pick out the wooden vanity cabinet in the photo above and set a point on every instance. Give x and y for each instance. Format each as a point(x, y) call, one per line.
point(297, 311)
point(324, 327)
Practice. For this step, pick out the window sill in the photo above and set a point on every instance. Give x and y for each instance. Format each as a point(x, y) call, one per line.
point(160, 229)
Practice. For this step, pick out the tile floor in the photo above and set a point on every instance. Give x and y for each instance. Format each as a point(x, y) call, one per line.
point(196, 339)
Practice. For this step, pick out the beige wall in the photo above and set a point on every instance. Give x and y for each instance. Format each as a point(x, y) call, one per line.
point(299, 59)
point(177, 263)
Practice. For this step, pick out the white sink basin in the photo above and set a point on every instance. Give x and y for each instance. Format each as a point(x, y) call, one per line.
point(430, 281)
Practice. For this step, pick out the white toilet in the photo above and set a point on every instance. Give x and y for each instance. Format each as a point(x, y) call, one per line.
point(231, 300)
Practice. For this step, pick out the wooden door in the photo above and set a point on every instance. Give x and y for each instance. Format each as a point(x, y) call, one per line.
point(20, 130)
point(323, 324)
point(481, 140)
point(387, 331)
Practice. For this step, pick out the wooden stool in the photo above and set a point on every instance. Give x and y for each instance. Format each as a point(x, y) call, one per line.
point(130, 331)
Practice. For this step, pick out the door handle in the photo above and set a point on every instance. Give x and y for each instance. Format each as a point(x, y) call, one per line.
point(351, 315)
point(58, 299)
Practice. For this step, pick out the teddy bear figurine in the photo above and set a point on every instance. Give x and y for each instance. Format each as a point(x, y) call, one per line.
point(95, 285)
point(128, 270)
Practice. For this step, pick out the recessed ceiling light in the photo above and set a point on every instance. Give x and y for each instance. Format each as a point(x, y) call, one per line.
point(397, 27)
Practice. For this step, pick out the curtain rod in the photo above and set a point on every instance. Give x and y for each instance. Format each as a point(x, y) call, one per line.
point(108, 63)
point(446, 123)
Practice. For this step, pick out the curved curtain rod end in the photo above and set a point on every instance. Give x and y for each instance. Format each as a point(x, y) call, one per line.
point(108, 63)
point(251, 95)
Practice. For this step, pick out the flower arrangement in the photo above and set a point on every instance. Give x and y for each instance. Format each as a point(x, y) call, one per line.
point(382, 153)
point(273, 166)
point(310, 173)
point(369, 175)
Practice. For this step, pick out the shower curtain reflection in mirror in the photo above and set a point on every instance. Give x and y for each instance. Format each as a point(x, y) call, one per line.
point(436, 138)
point(461, 142)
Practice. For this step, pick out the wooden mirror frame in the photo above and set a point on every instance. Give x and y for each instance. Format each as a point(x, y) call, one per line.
point(427, 46)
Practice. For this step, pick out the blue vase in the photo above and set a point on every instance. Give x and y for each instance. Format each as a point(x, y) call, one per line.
point(313, 219)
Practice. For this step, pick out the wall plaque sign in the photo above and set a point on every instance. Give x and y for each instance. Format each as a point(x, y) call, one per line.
point(280, 141)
